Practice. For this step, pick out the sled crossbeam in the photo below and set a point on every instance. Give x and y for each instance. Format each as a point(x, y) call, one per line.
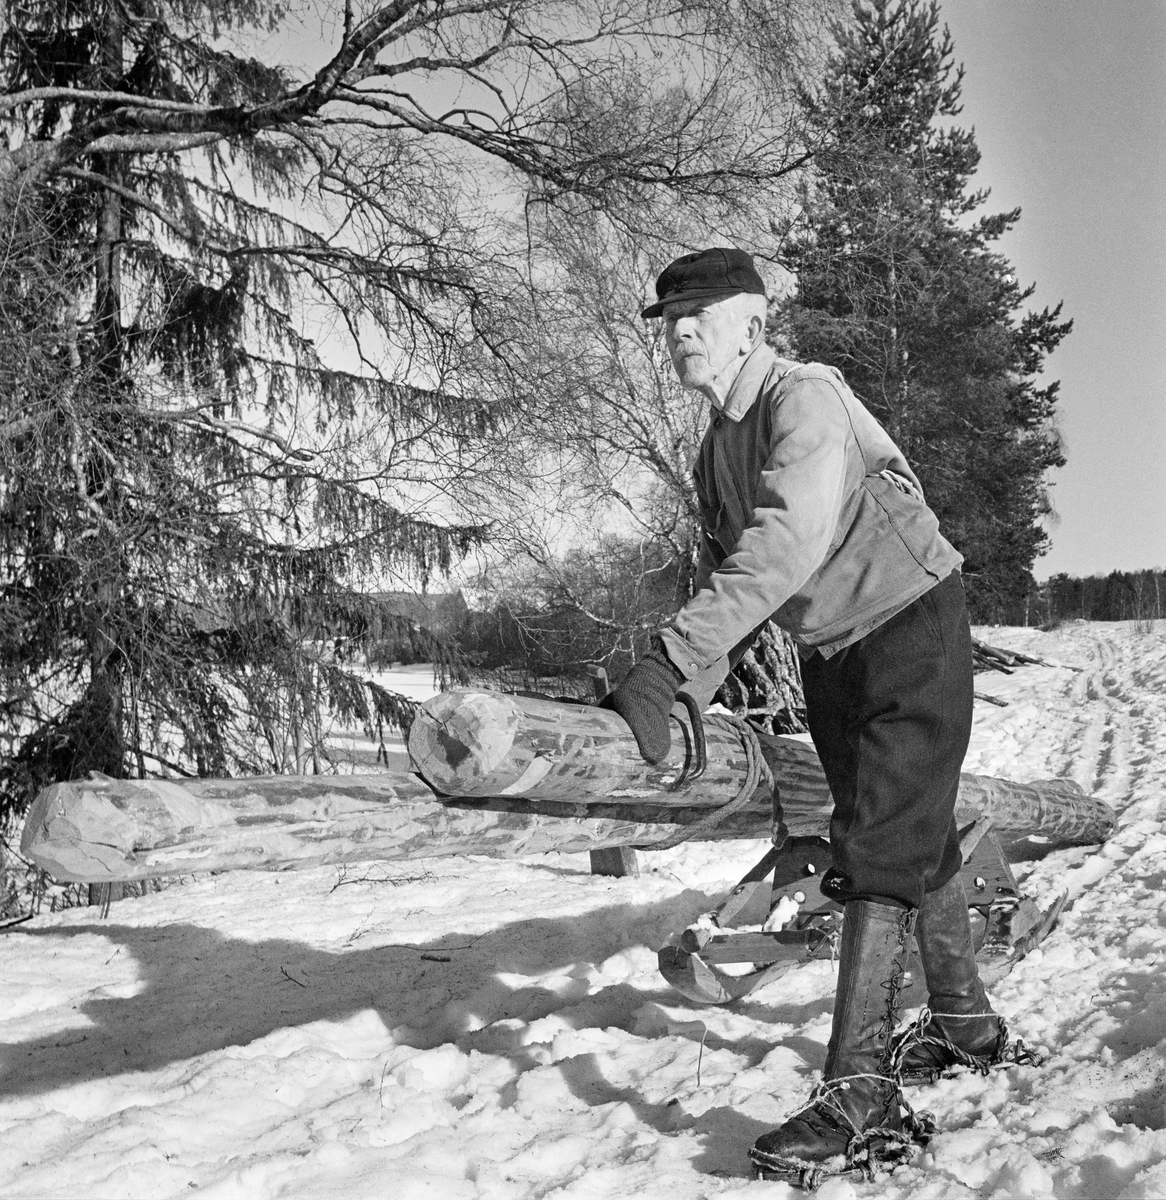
point(781, 944)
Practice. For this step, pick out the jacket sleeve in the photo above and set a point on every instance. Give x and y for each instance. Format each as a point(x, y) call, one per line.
point(707, 560)
point(708, 554)
point(797, 506)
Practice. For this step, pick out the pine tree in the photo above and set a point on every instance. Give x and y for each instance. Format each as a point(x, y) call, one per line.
point(257, 333)
point(899, 287)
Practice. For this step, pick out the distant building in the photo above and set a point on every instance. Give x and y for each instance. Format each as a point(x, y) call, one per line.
point(439, 612)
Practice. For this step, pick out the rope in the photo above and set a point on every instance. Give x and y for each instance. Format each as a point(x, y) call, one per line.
point(916, 1034)
point(757, 771)
point(876, 1145)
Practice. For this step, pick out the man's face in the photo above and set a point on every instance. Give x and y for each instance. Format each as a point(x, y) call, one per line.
point(704, 337)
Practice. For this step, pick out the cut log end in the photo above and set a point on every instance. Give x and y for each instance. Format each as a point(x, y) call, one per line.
point(459, 738)
point(477, 744)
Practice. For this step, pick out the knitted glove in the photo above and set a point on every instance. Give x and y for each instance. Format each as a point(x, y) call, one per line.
point(644, 699)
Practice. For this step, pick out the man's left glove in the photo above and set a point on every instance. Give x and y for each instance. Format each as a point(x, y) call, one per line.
point(644, 698)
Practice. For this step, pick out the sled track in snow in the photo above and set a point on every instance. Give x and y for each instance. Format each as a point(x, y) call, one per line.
point(1118, 719)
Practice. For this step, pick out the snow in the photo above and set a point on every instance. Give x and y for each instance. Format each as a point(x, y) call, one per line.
point(353, 750)
point(476, 1029)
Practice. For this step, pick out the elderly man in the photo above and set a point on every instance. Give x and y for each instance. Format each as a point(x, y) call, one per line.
point(813, 518)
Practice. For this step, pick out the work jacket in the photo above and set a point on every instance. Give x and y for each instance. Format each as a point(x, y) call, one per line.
point(811, 516)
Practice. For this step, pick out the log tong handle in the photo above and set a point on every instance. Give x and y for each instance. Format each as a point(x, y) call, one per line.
point(694, 766)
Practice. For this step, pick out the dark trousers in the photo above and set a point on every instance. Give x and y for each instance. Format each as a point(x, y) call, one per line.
point(890, 716)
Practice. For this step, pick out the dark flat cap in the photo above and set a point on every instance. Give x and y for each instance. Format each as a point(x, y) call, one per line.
point(705, 273)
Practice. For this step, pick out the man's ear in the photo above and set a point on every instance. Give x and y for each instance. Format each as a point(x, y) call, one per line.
point(753, 332)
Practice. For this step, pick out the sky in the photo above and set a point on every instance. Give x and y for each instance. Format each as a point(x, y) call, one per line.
point(1068, 98)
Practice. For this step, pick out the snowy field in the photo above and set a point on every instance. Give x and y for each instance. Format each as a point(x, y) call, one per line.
point(354, 751)
point(492, 1029)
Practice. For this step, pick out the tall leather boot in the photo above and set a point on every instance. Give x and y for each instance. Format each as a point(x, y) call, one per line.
point(962, 1028)
point(853, 1121)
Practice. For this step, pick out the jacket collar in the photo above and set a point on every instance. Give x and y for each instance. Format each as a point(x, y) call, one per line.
point(747, 385)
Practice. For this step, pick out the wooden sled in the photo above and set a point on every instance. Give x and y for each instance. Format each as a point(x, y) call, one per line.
point(802, 925)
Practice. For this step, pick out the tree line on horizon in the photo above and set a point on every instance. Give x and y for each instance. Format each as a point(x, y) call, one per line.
point(275, 342)
point(1136, 596)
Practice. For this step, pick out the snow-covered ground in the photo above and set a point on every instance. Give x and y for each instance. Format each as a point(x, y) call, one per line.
point(353, 750)
point(489, 1029)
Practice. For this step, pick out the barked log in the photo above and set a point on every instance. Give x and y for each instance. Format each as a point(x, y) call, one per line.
point(102, 829)
point(488, 744)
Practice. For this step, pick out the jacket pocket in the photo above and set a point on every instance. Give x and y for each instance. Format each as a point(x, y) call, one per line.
point(910, 518)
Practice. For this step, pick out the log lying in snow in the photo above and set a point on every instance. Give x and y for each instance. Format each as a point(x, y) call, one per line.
point(102, 829)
